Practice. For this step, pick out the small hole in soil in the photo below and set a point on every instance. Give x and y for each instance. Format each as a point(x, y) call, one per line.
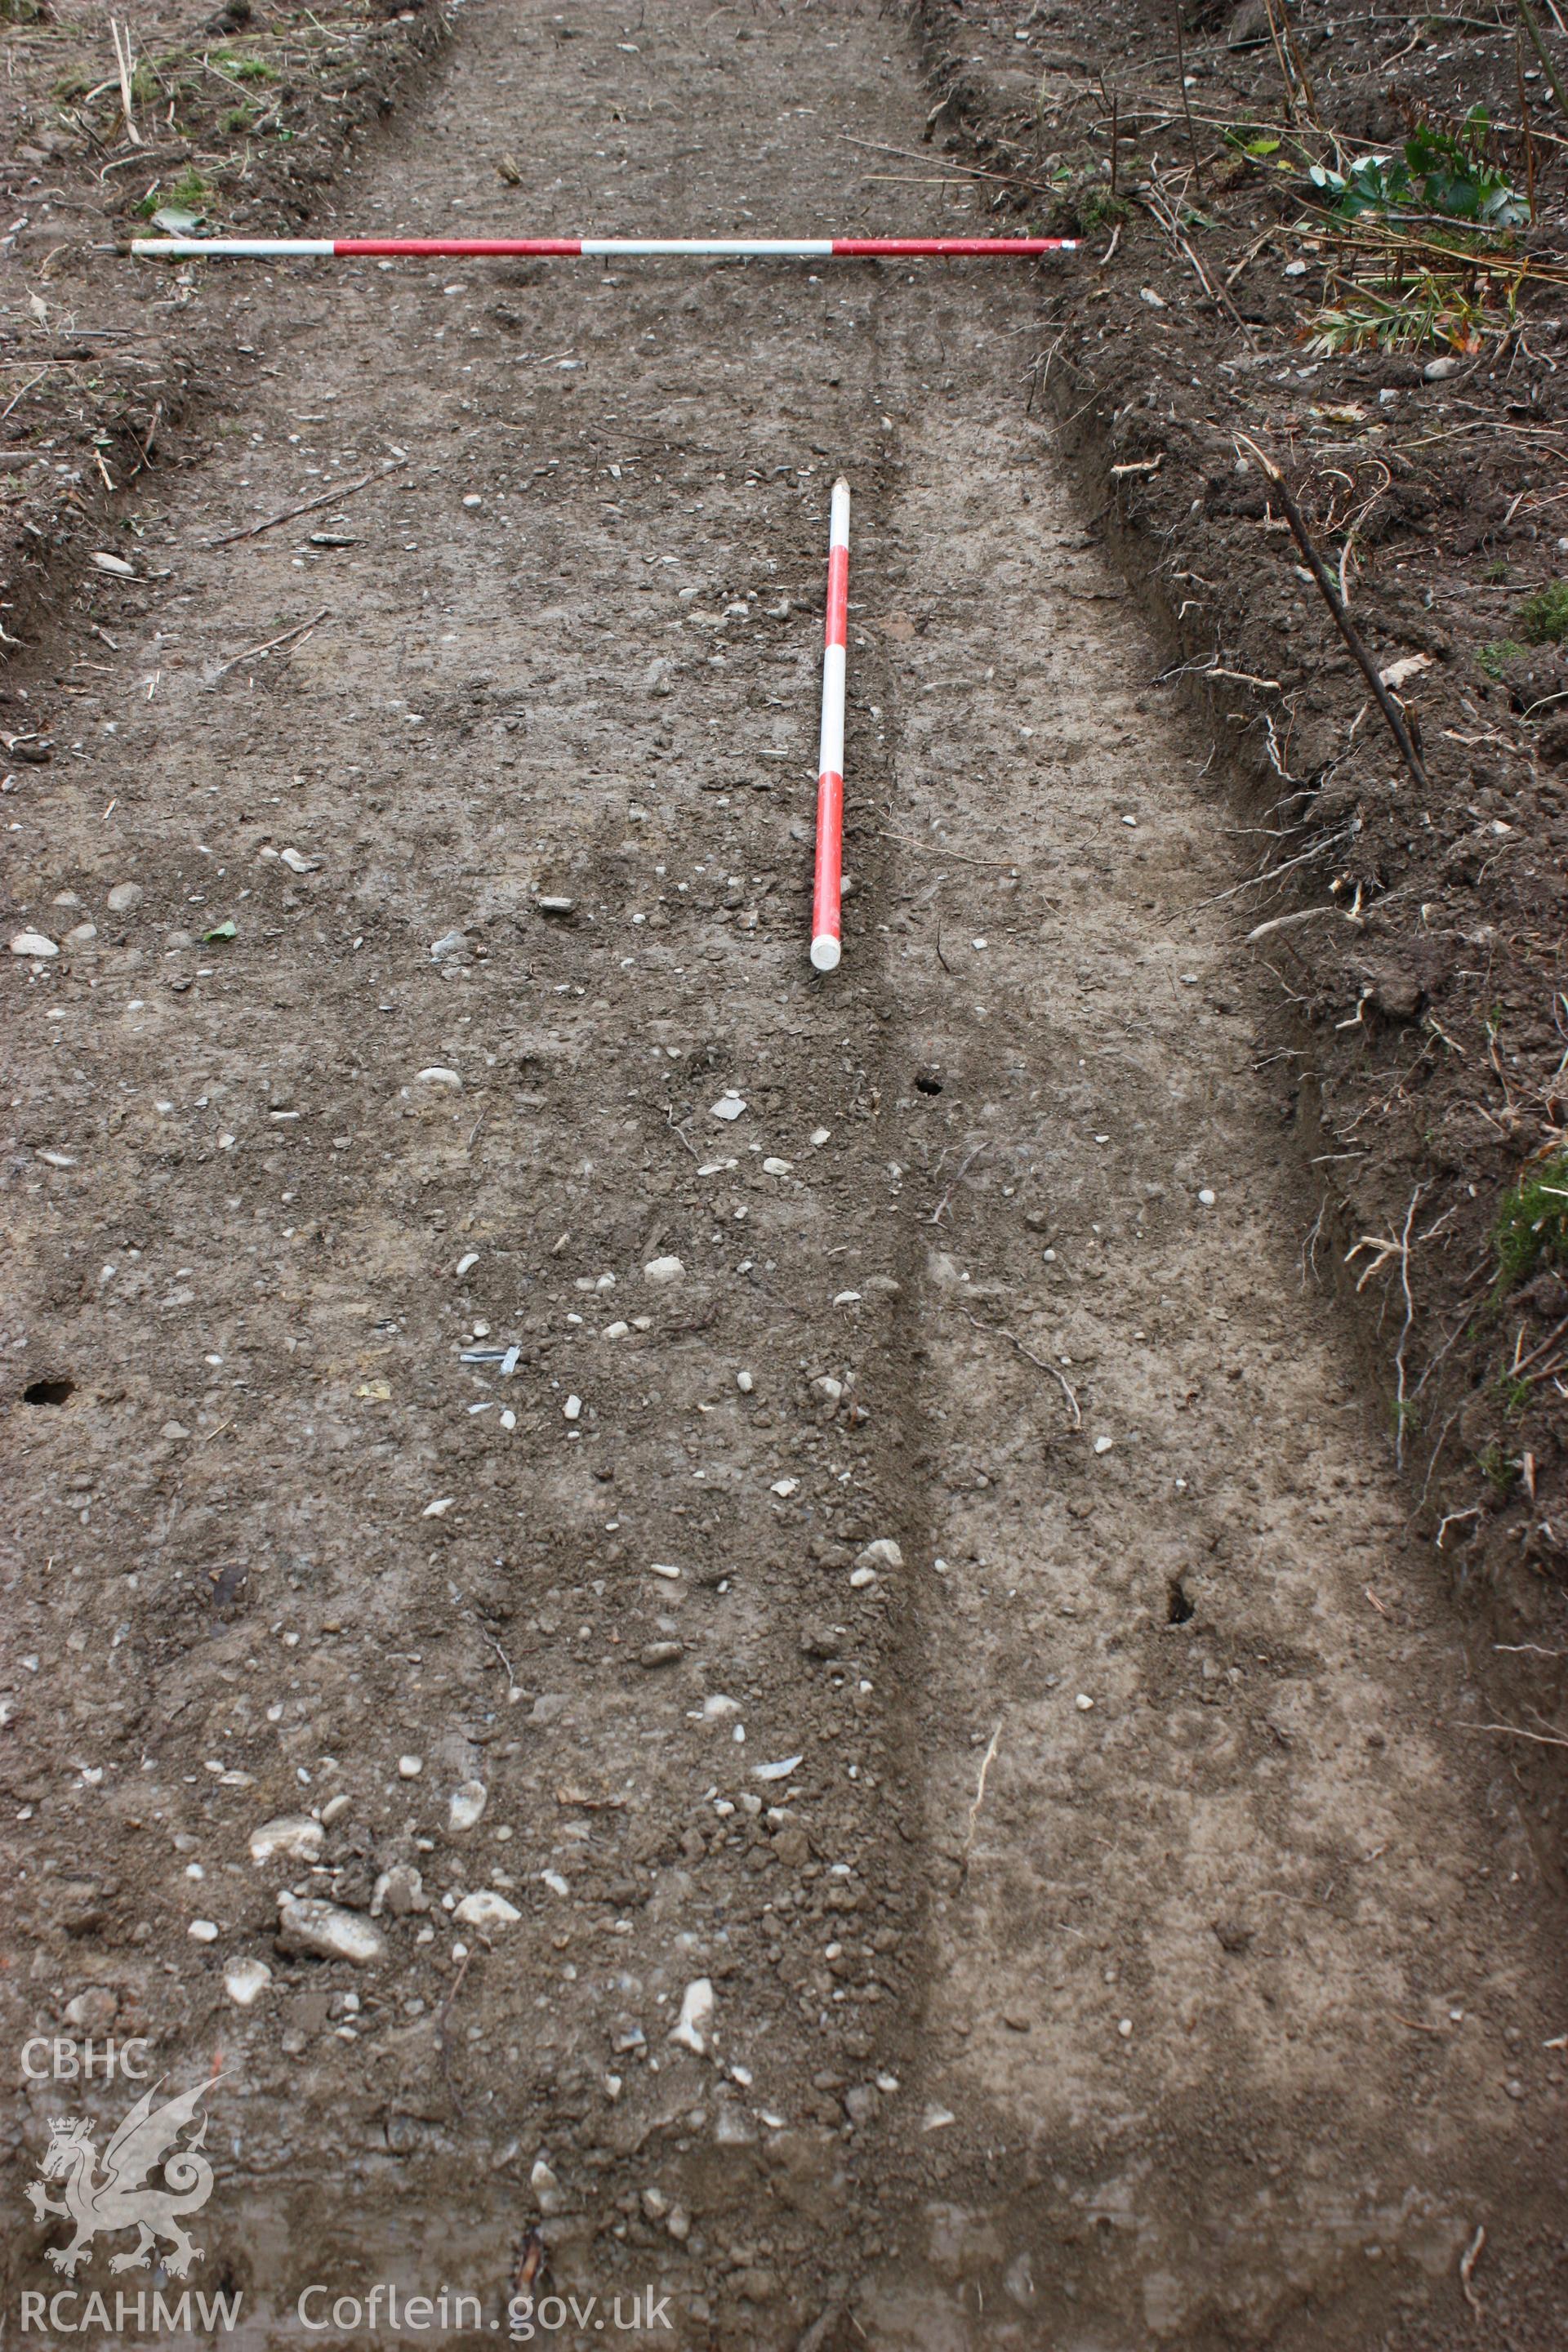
point(48, 1391)
point(927, 1083)
point(1178, 1608)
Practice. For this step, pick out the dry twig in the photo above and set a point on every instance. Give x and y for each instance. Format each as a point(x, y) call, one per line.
point(1342, 619)
point(327, 499)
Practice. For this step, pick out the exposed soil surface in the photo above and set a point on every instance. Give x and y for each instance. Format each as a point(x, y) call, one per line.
point(1413, 930)
point(244, 113)
point(927, 1570)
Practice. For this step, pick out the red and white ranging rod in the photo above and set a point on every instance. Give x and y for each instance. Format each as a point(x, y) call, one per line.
point(598, 249)
point(827, 887)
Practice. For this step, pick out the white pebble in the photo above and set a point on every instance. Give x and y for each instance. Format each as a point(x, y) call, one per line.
point(409, 1768)
point(485, 1909)
point(201, 1931)
point(663, 1567)
point(1206, 1198)
point(662, 1270)
point(326, 1931)
point(293, 1837)
point(33, 943)
point(466, 1806)
point(1083, 1703)
point(1103, 1444)
point(745, 1382)
point(696, 2019)
point(246, 1980)
point(729, 1106)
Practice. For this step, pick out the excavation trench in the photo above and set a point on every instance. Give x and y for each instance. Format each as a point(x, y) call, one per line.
point(1104, 1971)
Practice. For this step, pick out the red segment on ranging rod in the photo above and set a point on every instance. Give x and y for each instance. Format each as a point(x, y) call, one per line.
point(599, 248)
point(825, 894)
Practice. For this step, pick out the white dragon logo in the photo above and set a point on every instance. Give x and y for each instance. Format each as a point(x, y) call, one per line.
point(121, 2199)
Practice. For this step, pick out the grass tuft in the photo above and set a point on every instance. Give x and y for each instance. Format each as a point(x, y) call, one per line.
point(1544, 617)
point(1534, 1221)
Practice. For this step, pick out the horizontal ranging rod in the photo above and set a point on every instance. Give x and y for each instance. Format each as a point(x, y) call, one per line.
point(598, 249)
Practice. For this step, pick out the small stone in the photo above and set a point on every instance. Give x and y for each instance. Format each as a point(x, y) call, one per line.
point(115, 564)
point(473, 500)
point(436, 1077)
point(450, 943)
point(439, 1507)
point(695, 2019)
point(124, 898)
point(745, 1382)
point(1125, 2029)
point(33, 943)
point(466, 1806)
point(660, 1653)
point(1017, 2021)
point(399, 1890)
point(718, 1709)
point(298, 863)
point(409, 1768)
point(1103, 1444)
point(559, 907)
point(662, 1270)
point(937, 2118)
point(883, 1553)
point(678, 2224)
point(729, 1106)
point(664, 1568)
point(289, 1837)
point(328, 1933)
point(95, 2010)
point(485, 1909)
point(820, 1135)
point(861, 1577)
point(779, 1771)
point(778, 1167)
point(82, 935)
point(1436, 371)
point(244, 1982)
point(201, 1931)
point(785, 1486)
point(172, 1429)
point(573, 1408)
point(1083, 1703)
point(546, 2188)
point(1206, 1198)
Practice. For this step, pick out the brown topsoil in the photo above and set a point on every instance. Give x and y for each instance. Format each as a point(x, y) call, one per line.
point(563, 1470)
point(1413, 929)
